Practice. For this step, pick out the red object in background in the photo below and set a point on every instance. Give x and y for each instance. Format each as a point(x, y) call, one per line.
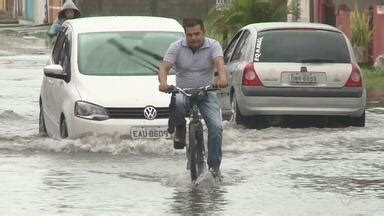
point(343, 22)
point(343, 19)
point(378, 31)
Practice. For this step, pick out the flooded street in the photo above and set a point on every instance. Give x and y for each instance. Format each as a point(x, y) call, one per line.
point(274, 171)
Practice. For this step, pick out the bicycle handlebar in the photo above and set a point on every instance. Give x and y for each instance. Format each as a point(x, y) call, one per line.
point(189, 91)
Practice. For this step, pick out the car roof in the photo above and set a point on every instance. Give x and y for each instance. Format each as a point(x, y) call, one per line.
point(289, 25)
point(124, 23)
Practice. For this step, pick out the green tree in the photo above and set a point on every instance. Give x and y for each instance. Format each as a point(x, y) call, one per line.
point(361, 35)
point(226, 19)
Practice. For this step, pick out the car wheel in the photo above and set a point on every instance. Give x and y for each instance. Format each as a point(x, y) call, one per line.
point(42, 127)
point(237, 117)
point(358, 121)
point(63, 129)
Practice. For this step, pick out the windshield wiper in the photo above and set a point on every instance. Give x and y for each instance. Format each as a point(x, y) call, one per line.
point(316, 60)
point(149, 53)
point(121, 47)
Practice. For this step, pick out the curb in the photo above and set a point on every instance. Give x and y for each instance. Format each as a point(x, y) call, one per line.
point(9, 25)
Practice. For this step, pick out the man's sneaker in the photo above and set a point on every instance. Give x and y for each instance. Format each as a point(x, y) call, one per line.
point(215, 173)
point(179, 138)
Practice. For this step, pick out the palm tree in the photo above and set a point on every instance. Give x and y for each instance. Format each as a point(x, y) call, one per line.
point(218, 23)
point(227, 19)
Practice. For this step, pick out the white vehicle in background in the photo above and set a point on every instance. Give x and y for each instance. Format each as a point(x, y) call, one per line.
point(292, 69)
point(102, 78)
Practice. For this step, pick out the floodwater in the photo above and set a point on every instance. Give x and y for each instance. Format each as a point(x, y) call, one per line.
point(274, 171)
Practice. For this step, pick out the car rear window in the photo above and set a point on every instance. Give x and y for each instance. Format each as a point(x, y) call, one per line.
point(301, 45)
point(123, 53)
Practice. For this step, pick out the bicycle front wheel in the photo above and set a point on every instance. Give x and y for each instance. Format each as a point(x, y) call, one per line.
point(196, 149)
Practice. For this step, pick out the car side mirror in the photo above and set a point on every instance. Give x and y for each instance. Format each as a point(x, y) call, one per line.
point(54, 71)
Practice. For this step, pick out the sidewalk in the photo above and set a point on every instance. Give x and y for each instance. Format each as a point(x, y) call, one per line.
point(9, 25)
point(17, 24)
point(24, 29)
point(8, 21)
point(16, 39)
point(6, 18)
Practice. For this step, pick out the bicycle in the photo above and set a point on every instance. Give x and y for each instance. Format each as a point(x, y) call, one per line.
point(195, 149)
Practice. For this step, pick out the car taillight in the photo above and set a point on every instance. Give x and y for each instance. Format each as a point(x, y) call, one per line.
point(355, 79)
point(250, 77)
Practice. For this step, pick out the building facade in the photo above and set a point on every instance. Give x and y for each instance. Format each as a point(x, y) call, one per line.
point(337, 13)
point(2, 5)
point(10, 9)
point(24, 11)
point(34, 11)
point(45, 11)
point(177, 9)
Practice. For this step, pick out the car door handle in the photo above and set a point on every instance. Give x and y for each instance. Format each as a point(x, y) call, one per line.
point(50, 81)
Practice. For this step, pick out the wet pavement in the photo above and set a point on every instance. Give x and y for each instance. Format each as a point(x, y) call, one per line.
point(21, 40)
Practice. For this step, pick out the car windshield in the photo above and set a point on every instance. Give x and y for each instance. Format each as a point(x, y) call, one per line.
point(123, 53)
point(307, 46)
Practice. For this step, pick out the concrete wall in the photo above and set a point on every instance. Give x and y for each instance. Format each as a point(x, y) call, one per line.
point(319, 5)
point(185, 9)
point(40, 12)
point(305, 11)
point(342, 13)
point(343, 22)
point(6, 9)
point(54, 7)
point(177, 9)
point(378, 34)
point(2, 5)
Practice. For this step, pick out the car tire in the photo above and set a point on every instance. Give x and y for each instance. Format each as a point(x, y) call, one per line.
point(42, 127)
point(358, 121)
point(63, 129)
point(237, 117)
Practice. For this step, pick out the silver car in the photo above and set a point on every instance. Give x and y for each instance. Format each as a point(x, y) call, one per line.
point(292, 69)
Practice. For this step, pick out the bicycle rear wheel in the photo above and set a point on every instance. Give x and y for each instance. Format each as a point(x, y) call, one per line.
point(196, 149)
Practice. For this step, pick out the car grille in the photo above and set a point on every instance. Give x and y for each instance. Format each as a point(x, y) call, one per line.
point(135, 113)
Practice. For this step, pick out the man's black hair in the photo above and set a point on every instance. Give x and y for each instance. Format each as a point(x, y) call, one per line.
point(191, 22)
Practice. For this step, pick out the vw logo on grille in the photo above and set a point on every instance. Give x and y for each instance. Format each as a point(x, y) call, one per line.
point(150, 112)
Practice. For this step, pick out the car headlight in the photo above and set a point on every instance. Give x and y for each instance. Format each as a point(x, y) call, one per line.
point(90, 111)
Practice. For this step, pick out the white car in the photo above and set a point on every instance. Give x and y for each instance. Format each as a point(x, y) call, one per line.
point(293, 69)
point(102, 78)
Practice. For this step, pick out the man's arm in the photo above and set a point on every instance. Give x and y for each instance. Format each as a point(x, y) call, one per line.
point(222, 81)
point(163, 72)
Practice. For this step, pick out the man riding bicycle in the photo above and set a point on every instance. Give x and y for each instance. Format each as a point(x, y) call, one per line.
point(195, 58)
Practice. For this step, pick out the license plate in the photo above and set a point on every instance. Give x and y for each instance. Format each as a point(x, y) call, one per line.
point(303, 78)
point(149, 132)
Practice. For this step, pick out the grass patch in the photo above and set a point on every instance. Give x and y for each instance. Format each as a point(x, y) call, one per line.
point(373, 79)
point(374, 84)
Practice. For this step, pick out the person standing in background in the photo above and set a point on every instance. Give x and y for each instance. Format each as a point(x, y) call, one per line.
point(68, 11)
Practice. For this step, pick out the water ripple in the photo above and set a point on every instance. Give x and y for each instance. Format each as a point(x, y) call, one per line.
point(340, 184)
point(10, 115)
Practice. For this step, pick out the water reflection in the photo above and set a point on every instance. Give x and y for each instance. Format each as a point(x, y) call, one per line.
point(199, 201)
point(344, 185)
point(24, 40)
point(62, 180)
